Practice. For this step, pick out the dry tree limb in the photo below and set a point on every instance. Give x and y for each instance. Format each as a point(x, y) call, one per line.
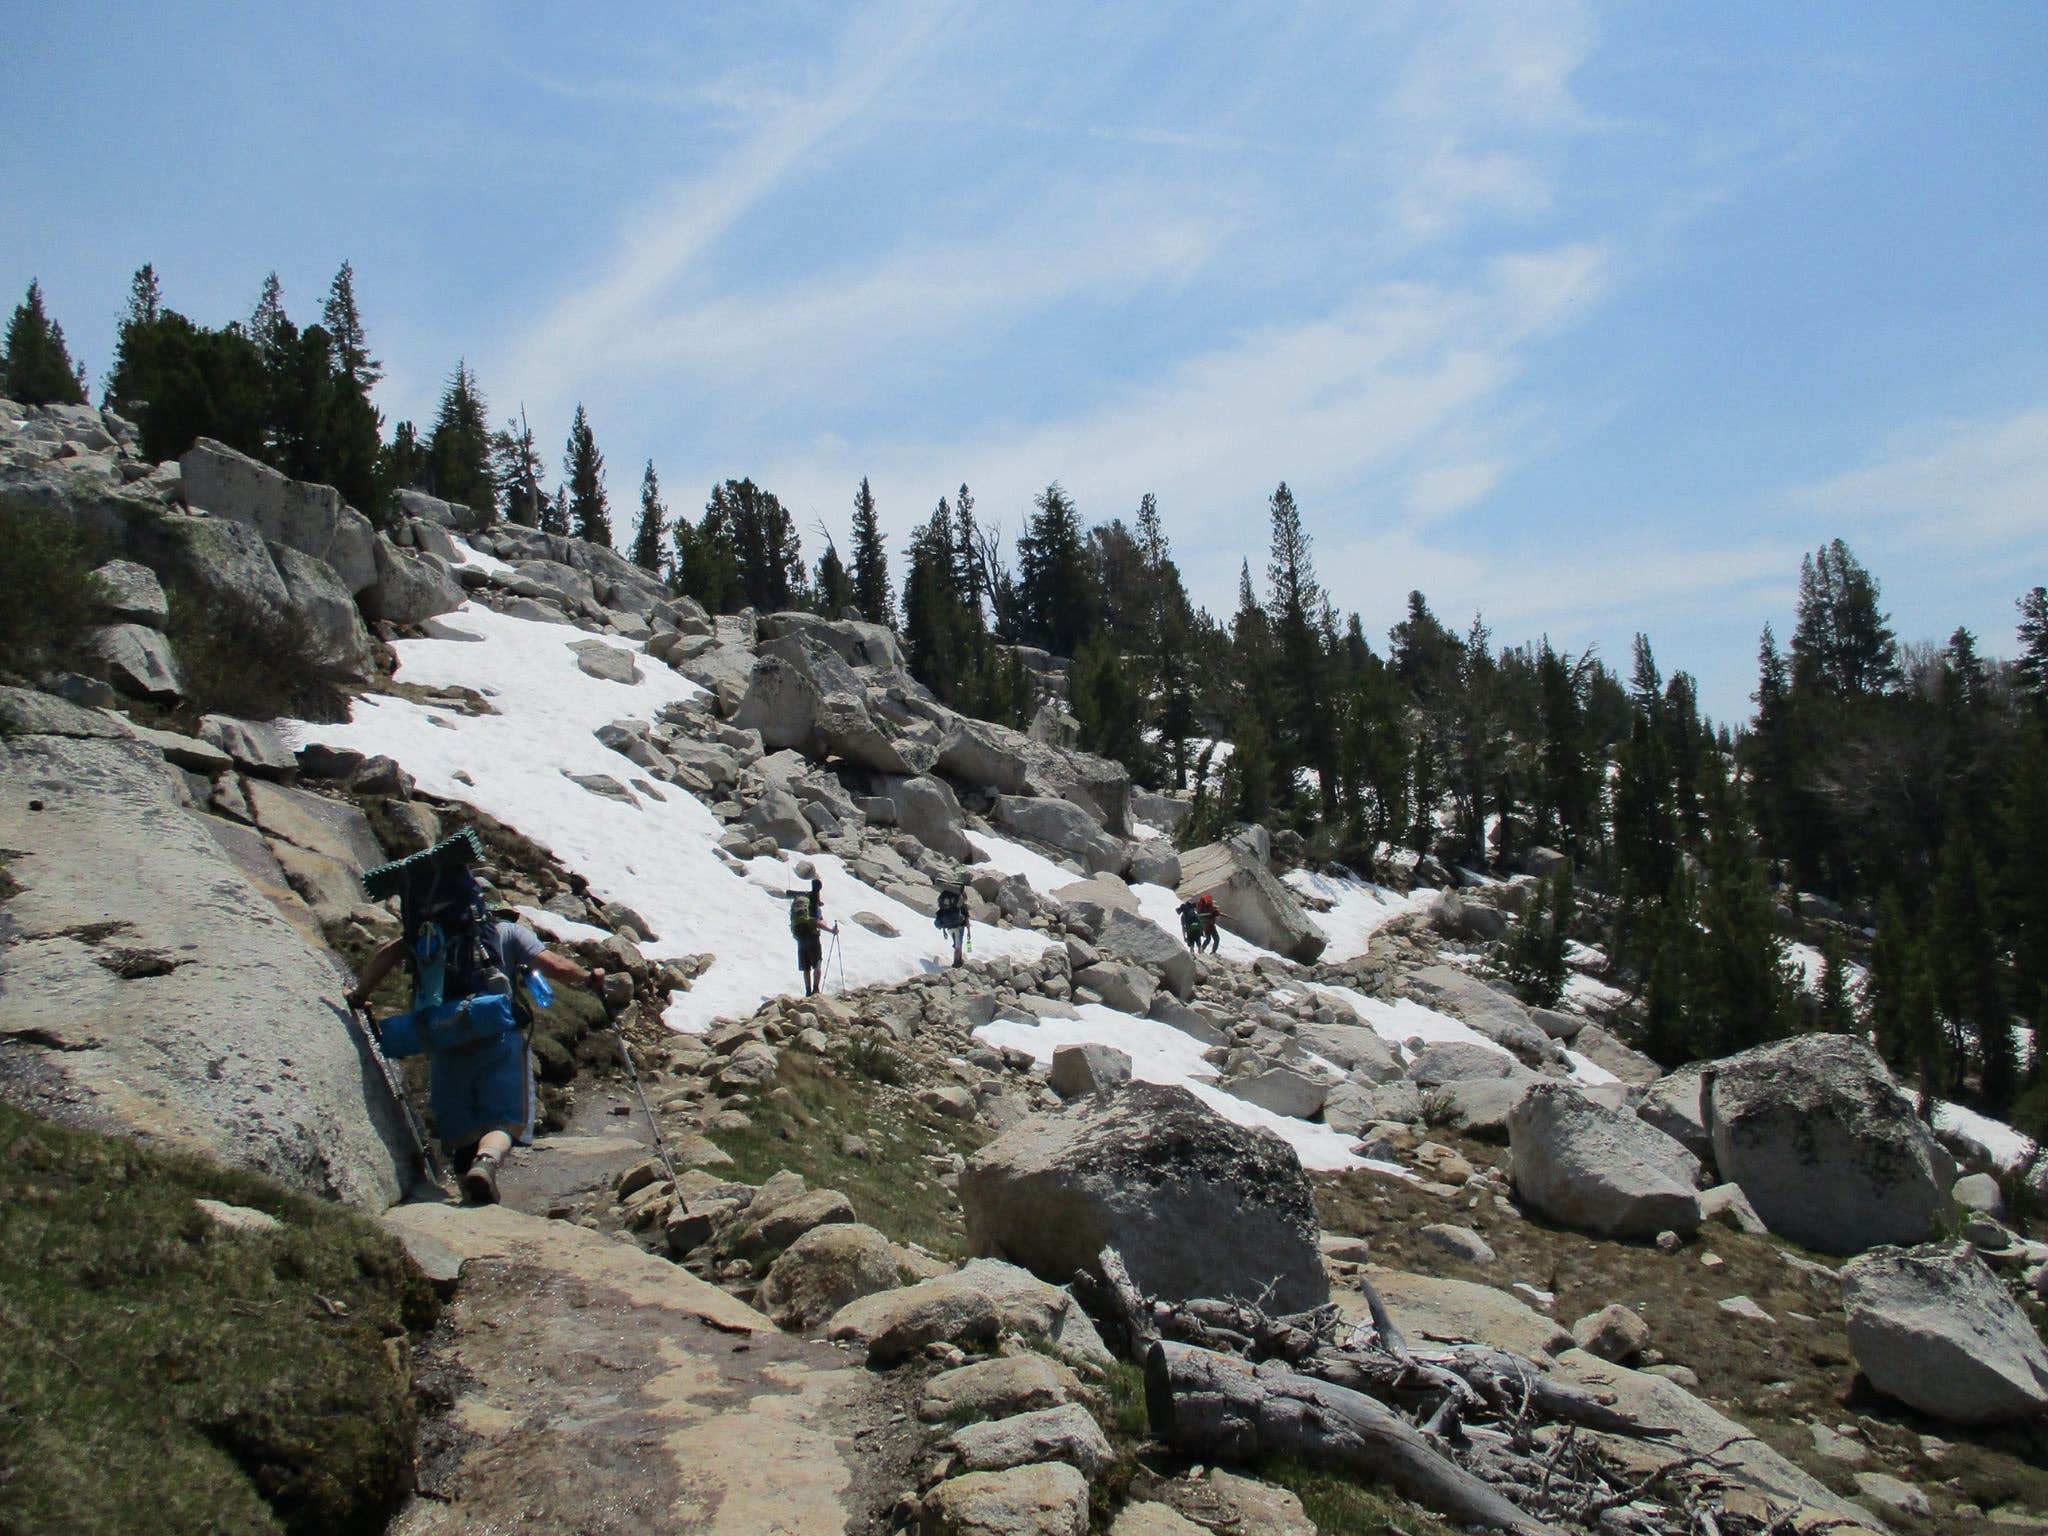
point(1127, 1303)
point(1220, 1408)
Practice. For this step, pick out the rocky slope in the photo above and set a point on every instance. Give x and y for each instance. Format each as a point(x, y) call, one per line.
point(1339, 1104)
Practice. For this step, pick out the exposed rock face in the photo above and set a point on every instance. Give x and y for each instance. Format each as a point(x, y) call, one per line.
point(994, 1389)
point(1826, 1144)
point(1357, 1048)
point(1600, 1170)
point(165, 987)
point(1932, 1327)
point(608, 662)
point(1601, 1048)
point(309, 518)
point(1463, 1061)
point(1197, 1206)
point(1250, 902)
point(1066, 1433)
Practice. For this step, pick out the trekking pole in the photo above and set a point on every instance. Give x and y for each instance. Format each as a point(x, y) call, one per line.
point(836, 955)
point(416, 1132)
point(640, 1093)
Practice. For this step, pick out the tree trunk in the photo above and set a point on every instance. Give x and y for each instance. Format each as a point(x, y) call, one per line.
point(1222, 1409)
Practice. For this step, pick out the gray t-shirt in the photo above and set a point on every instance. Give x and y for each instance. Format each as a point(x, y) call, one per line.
point(518, 946)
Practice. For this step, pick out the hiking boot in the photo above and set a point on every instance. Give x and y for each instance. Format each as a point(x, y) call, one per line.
point(480, 1181)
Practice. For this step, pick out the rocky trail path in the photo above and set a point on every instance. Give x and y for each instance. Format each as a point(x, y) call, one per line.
point(581, 1384)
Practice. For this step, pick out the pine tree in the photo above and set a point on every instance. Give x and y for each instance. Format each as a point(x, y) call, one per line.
point(35, 365)
point(761, 540)
point(344, 322)
point(2030, 667)
point(516, 469)
point(459, 451)
point(1110, 706)
point(1964, 968)
point(1892, 958)
point(1053, 585)
point(650, 534)
point(1248, 776)
point(833, 583)
point(1303, 737)
point(132, 380)
point(405, 458)
point(1536, 960)
point(589, 510)
point(1842, 646)
point(1834, 1011)
point(872, 593)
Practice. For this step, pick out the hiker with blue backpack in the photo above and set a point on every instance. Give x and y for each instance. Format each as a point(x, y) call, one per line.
point(806, 924)
point(476, 977)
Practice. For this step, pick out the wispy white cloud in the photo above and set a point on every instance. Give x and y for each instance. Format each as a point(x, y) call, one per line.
point(1976, 485)
point(662, 240)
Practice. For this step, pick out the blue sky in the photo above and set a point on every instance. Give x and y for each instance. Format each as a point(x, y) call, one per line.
point(1590, 318)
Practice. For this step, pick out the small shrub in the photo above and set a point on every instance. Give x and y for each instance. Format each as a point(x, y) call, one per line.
point(1439, 1108)
point(52, 596)
point(868, 1057)
point(240, 657)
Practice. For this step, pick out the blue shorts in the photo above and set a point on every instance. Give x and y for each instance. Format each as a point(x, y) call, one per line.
point(482, 1087)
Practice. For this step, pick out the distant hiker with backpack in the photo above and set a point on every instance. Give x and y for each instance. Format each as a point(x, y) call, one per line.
point(473, 971)
point(1205, 907)
point(952, 920)
point(807, 922)
point(1191, 924)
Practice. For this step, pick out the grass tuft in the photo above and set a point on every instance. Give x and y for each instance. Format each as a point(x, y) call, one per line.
point(802, 1125)
point(157, 1374)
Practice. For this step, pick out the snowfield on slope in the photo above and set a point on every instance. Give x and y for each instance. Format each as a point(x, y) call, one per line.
point(656, 856)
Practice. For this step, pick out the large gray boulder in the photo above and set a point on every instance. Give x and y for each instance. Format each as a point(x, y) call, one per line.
point(1495, 1014)
point(1932, 1327)
point(857, 643)
point(1250, 902)
point(1283, 1090)
point(132, 594)
point(1601, 1047)
point(409, 587)
point(927, 810)
point(443, 514)
point(1003, 761)
point(1674, 1104)
point(1599, 1170)
point(1062, 825)
point(137, 660)
point(782, 703)
point(1195, 1205)
point(151, 978)
point(1354, 1047)
point(1826, 1145)
point(1127, 936)
point(309, 518)
point(326, 611)
point(1459, 1061)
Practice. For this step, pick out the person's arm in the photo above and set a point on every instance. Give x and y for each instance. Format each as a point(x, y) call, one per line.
point(561, 968)
point(375, 969)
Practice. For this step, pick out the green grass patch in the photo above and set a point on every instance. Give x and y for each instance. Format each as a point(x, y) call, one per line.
point(803, 1124)
point(157, 1374)
point(1341, 1507)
